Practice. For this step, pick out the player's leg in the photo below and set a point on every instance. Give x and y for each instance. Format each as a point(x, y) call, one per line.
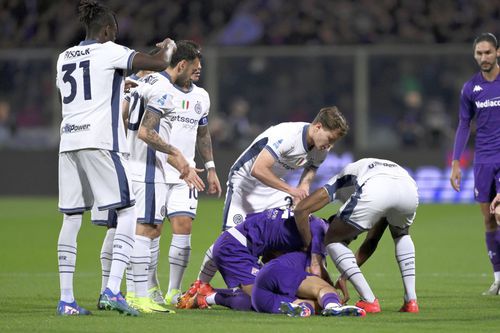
point(182, 203)
point(154, 289)
point(275, 291)
point(107, 219)
point(111, 188)
point(486, 184)
point(150, 210)
point(405, 256)
point(74, 198)
point(338, 235)
point(231, 216)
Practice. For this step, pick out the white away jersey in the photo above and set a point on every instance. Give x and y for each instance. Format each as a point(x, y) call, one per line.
point(191, 110)
point(355, 174)
point(287, 143)
point(153, 94)
point(90, 81)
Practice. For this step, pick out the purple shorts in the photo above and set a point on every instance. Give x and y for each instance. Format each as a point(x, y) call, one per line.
point(486, 181)
point(234, 261)
point(274, 284)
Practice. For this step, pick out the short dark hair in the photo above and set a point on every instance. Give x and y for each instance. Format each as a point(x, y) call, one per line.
point(94, 16)
point(486, 37)
point(186, 50)
point(332, 119)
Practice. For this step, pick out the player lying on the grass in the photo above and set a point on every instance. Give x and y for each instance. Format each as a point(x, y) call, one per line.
point(283, 285)
point(237, 250)
point(255, 180)
point(370, 189)
point(368, 247)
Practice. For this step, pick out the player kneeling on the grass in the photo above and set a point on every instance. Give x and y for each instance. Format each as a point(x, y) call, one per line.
point(284, 286)
point(370, 190)
point(237, 250)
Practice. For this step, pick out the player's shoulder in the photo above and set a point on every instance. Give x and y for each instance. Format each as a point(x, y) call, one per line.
point(472, 82)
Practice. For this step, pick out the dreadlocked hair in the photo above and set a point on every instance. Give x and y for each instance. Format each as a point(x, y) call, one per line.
point(93, 15)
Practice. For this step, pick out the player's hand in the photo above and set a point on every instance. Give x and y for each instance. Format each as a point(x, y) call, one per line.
point(190, 176)
point(298, 194)
point(129, 84)
point(494, 203)
point(213, 183)
point(456, 175)
point(341, 284)
point(169, 47)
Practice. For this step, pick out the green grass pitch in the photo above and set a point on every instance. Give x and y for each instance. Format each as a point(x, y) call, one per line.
point(452, 271)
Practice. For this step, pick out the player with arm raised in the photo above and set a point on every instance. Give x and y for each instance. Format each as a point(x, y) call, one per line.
point(480, 98)
point(92, 165)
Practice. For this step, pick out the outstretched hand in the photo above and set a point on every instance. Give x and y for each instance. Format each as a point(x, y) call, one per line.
point(341, 284)
point(190, 176)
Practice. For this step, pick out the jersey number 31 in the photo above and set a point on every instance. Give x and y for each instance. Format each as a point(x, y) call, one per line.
point(68, 70)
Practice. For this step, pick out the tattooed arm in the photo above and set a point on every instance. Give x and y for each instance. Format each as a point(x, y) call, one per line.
point(147, 133)
point(204, 146)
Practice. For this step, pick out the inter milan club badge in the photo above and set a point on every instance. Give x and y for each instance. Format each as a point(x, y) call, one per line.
point(197, 107)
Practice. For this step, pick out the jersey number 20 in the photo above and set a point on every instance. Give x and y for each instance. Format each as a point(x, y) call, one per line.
point(68, 70)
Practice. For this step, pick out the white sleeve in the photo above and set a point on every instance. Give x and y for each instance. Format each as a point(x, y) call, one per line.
point(119, 56)
point(159, 101)
point(279, 146)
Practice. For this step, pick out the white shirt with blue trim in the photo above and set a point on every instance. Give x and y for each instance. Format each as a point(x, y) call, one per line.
point(287, 143)
point(90, 81)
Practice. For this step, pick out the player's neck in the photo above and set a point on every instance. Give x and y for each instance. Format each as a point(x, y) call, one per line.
point(491, 75)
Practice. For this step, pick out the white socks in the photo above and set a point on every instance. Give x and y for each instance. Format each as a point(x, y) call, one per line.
point(179, 253)
point(346, 264)
point(140, 261)
point(208, 268)
point(153, 267)
point(122, 247)
point(106, 256)
point(66, 254)
point(405, 256)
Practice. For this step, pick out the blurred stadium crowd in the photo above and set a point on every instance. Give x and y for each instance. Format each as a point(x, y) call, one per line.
point(413, 101)
point(46, 23)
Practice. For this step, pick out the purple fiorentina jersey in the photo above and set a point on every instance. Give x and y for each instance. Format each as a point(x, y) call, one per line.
point(275, 229)
point(481, 99)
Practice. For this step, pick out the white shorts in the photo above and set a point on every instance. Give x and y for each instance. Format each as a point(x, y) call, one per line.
point(181, 200)
point(91, 177)
point(240, 202)
point(150, 202)
point(393, 198)
point(106, 218)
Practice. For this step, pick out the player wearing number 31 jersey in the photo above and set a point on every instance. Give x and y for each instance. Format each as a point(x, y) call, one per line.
point(92, 167)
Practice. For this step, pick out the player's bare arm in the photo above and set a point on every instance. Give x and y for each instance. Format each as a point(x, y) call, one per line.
point(148, 134)
point(204, 147)
point(262, 170)
point(371, 241)
point(156, 62)
point(456, 175)
point(310, 204)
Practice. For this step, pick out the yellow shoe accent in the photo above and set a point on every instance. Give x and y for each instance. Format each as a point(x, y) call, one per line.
point(172, 297)
point(146, 305)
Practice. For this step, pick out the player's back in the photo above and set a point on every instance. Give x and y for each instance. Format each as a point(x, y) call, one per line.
point(90, 80)
point(276, 230)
